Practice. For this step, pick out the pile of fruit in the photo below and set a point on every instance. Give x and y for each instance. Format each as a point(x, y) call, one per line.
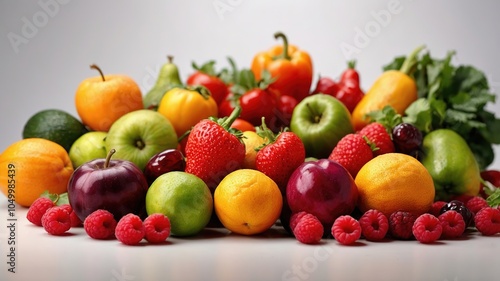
point(260, 147)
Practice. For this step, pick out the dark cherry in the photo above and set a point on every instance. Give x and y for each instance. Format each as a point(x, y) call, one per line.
point(164, 162)
point(407, 138)
point(459, 206)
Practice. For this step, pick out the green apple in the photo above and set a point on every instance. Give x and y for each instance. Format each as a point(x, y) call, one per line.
point(451, 163)
point(321, 121)
point(184, 198)
point(88, 147)
point(140, 134)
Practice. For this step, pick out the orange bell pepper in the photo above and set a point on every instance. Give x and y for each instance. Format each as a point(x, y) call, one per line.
point(290, 67)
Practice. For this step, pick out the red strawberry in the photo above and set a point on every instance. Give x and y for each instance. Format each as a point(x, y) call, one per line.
point(213, 149)
point(378, 135)
point(352, 152)
point(280, 156)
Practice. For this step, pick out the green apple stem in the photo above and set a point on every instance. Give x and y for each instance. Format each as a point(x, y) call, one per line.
point(170, 58)
point(93, 66)
point(316, 115)
point(108, 157)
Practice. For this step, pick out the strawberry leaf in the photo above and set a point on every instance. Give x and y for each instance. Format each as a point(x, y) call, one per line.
point(58, 199)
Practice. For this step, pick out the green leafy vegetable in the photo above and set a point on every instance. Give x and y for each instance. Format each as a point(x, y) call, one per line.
point(453, 97)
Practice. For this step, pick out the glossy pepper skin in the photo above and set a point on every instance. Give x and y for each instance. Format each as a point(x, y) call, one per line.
point(291, 67)
point(393, 87)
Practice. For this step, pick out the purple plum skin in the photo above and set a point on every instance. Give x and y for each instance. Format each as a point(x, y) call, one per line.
point(120, 188)
point(323, 188)
point(164, 162)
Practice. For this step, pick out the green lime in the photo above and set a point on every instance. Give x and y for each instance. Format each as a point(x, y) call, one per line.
point(184, 198)
point(54, 125)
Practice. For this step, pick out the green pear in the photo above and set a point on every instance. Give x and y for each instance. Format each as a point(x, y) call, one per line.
point(451, 163)
point(168, 78)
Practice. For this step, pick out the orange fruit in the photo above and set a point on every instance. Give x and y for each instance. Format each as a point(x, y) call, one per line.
point(101, 100)
point(395, 182)
point(247, 202)
point(32, 166)
point(252, 140)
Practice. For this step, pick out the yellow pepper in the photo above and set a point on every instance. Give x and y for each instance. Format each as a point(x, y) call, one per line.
point(394, 87)
point(184, 107)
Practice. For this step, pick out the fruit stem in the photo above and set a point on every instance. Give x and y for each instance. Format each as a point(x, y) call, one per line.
point(285, 54)
point(265, 133)
point(316, 115)
point(410, 63)
point(170, 58)
point(230, 119)
point(93, 66)
point(108, 157)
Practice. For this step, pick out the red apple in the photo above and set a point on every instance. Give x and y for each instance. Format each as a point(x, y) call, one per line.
point(118, 186)
point(491, 176)
point(323, 188)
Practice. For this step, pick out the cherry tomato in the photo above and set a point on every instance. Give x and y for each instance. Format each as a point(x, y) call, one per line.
point(242, 125)
point(214, 84)
point(255, 104)
point(326, 86)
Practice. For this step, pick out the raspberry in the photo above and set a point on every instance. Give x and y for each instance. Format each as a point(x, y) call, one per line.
point(75, 221)
point(130, 230)
point(346, 230)
point(488, 221)
point(378, 135)
point(37, 209)
point(436, 208)
point(56, 221)
point(427, 228)
point(100, 224)
point(308, 229)
point(294, 219)
point(453, 224)
point(400, 225)
point(157, 228)
point(374, 225)
point(352, 152)
point(476, 203)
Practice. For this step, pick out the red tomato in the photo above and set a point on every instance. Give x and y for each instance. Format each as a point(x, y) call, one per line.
point(242, 125)
point(214, 84)
point(255, 104)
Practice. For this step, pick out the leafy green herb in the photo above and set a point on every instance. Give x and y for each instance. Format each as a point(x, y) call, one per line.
point(453, 97)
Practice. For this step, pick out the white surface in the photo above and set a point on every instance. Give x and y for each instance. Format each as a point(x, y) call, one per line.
point(133, 38)
point(216, 254)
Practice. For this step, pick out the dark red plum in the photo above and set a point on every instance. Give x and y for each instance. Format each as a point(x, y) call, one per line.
point(118, 186)
point(164, 162)
point(323, 188)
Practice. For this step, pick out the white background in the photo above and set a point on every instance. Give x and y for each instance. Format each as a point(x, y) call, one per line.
point(134, 37)
point(61, 39)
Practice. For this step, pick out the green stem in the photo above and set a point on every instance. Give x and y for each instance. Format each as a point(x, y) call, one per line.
point(351, 64)
point(285, 54)
point(266, 133)
point(226, 124)
point(202, 90)
point(410, 63)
